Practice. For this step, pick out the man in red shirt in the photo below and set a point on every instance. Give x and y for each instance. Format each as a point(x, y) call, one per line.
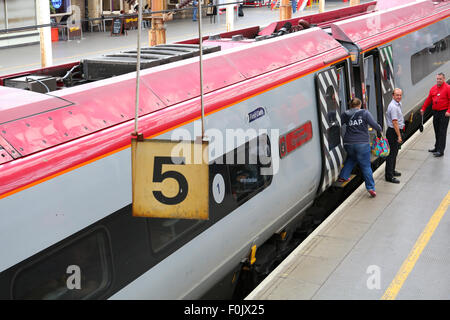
point(440, 98)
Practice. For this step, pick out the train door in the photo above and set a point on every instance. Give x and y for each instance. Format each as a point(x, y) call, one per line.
point(369, 80)
point(342, 73)
point(379, 82)
point(330, 99)
point(386, 77)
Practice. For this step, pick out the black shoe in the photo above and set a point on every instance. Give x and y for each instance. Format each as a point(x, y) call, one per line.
point(393, 180)
point(397, 174)
point(432, 150)
point(438, 154)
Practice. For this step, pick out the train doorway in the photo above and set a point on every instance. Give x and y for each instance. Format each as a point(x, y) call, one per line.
point(386, 77)
point(371, 96)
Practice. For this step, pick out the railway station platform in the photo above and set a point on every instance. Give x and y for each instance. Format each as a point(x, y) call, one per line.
point(394, 246)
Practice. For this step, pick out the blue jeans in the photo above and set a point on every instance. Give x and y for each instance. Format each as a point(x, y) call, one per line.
point(358, 154)
point(194, 16)
point(294, 5)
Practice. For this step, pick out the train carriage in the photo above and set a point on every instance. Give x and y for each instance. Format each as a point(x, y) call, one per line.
point(65, 183)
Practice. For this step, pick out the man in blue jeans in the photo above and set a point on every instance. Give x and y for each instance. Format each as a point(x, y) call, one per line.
point(357, 145)
point(195, 4)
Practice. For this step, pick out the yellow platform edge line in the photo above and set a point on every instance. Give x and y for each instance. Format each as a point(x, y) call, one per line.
point(407, 266)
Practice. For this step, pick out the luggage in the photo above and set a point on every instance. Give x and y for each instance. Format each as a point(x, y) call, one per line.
point(380, 147)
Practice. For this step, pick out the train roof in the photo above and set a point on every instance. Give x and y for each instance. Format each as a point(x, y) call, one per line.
point(16, 104)
point(39, 121)
point(373, 29)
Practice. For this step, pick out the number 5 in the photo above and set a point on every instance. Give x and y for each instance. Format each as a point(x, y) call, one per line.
point(158, 176)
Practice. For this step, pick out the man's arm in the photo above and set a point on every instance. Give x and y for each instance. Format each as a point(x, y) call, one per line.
point(344, 119)
point(372, 122)
point(397, 130)
point(447, 114)
point(427, 103)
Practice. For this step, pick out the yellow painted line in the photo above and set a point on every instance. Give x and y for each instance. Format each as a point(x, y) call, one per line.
point(407, 266)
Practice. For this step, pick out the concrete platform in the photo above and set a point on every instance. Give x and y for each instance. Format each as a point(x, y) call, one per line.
point(394, 246)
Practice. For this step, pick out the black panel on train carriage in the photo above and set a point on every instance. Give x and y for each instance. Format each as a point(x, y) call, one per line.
point(79, 269)
point(234, 178)
point(115, 64)
point(249, 170)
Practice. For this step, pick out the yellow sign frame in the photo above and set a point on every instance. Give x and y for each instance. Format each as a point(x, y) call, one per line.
point(170, 179)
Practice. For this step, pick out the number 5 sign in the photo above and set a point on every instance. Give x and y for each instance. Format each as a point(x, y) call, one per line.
point(170, 179)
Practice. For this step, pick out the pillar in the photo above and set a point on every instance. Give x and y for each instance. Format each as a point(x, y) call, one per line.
point(321, 5)
point(157, 34)
point(285, 10)
point(43, 17)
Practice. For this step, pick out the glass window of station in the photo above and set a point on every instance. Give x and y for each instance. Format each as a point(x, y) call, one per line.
point(17, 13)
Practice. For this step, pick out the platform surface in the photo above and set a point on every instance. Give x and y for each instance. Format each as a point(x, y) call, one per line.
point(394, 246)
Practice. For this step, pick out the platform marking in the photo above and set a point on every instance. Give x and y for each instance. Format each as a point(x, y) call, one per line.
point(407, 266)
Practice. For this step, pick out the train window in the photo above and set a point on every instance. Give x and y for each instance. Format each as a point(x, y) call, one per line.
point(369, 75)
point(342, 87)
point(429, 59)
point(80, 270)
point(334, 136)
point(334, 130)
point(166, 231)
point(249, 178)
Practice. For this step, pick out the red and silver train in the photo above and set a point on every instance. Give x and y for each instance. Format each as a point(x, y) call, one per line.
point(65, 158)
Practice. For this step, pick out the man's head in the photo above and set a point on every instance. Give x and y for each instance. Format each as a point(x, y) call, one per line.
point(440, 79)
point(397, 94)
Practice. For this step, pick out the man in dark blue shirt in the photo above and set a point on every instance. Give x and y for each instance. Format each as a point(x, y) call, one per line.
point(357, 144)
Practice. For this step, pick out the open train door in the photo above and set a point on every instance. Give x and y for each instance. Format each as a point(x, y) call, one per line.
point(328, 101)
point(386, 77)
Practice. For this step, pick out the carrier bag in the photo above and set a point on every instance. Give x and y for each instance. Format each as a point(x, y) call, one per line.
point(380, 147)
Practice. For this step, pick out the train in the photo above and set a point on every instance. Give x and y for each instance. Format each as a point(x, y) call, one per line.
point(66, 224)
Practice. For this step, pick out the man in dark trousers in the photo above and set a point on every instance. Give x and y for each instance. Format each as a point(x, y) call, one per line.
point(439, 96)
point(395, 123)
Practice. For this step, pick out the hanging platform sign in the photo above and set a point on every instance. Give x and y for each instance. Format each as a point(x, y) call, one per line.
point(170, 179)
point(56, 3)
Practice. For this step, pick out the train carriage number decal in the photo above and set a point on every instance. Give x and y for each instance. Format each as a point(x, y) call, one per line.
point(294, 139)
